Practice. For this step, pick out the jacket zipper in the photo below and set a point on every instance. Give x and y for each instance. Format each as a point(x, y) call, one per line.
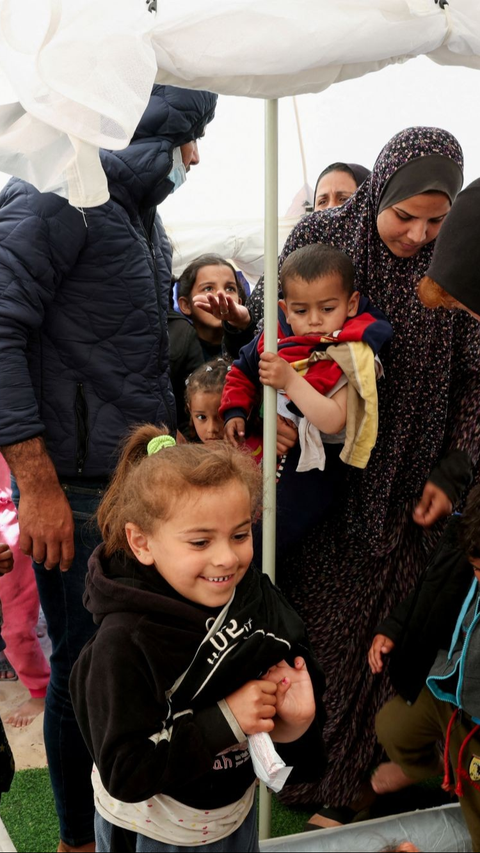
point(81, 418)
point(151, 249)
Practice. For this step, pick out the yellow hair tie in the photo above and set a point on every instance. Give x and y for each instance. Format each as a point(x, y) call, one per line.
point(158, 443)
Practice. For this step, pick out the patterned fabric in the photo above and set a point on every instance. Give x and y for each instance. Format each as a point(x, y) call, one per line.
point(350, 573)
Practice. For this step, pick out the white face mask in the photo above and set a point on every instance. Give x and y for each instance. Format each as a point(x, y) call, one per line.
point(178, 173)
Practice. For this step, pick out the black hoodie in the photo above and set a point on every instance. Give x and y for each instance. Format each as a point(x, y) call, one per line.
point(148, 637)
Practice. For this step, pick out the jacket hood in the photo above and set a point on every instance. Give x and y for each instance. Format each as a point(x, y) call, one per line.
point(120, 584)
point(137, 175)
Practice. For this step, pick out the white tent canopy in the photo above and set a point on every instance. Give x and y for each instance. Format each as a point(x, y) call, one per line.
point(75, 75)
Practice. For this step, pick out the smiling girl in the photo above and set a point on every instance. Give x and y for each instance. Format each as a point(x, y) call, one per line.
point(195, 651)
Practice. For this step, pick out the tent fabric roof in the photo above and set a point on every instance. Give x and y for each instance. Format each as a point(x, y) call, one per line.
point(75, 75)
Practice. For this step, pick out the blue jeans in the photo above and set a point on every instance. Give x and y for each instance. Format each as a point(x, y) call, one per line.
point(69, 627)
point(243, 840)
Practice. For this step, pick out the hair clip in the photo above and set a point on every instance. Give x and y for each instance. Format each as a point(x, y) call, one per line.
point(208, 368)
point(159, 442)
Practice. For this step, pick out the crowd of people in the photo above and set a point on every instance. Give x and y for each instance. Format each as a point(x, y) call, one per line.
point(177, 669)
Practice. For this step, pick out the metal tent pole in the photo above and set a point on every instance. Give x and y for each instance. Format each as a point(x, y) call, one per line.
point(270, 394)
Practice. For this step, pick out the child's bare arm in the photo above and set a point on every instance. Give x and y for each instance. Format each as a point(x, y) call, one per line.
point(381, 646)
point(329, 414)
point(6, 559)
point(295, 709)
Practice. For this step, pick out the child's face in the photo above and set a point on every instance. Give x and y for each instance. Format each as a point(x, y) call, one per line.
point(204, 550)
point(212, 279)
point(203, 410)
point(318, 307)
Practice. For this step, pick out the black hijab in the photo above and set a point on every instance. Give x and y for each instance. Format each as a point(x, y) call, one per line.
point(455, 264)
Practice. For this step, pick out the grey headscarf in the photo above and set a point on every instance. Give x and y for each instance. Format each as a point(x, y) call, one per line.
point(423, 174)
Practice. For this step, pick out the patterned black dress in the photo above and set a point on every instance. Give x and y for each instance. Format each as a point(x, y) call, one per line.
point(348, 574)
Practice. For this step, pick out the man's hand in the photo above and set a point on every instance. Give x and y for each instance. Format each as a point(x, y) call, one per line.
point(381, 646)
point(234, 431)
point(434, 504)
point(224, 308)
point(274, 371)
point(6, 559)
point(44, 515)
point(287, 435)
point(295, 700)
point(253, 706)
point(46, 527)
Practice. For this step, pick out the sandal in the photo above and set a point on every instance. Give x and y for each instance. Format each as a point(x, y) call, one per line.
point(6, 667)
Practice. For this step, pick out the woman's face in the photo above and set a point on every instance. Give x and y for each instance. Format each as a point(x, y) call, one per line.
point(334, 189)
point(409, 225)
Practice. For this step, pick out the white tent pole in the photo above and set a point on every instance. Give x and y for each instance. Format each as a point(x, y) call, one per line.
point(270, 394)
point(300, 139)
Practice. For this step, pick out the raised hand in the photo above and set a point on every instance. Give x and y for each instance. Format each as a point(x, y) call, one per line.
point(223, 307)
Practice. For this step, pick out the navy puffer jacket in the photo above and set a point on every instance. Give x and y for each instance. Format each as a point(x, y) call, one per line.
point(84, 299)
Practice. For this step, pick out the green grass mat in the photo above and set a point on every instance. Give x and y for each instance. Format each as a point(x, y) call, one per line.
point(28, 813)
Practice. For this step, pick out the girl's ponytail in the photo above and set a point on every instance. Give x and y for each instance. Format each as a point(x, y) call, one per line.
point(110, 515)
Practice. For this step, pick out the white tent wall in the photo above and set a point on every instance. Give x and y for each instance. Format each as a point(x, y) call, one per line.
point(220, 208)
point(75, 74)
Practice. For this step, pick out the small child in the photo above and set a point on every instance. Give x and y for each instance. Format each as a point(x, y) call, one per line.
point(211, 295)
point(434, 640)
point(328, 337)
point(195, 652)
point(203, 395)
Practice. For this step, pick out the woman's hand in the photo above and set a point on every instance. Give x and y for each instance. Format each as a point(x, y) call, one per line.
point(287, 435)
point(254, 706)
point(224, 308)
point(6, 559)
point(434, 504)
point(381, 646)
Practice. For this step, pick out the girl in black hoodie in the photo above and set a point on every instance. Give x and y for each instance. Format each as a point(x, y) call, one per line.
point(195, 652)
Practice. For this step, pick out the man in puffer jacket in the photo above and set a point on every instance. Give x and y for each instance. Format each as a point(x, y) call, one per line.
point(83, 356)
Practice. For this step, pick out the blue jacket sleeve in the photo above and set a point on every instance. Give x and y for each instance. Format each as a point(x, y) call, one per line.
point(41, 236)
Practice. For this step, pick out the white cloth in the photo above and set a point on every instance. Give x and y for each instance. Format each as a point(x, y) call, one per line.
point(165, 819)
point(310, 439)
point(76, 75)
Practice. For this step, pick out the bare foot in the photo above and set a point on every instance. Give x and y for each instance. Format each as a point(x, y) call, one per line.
point(26, 712)
point(7, 672)
point(390, 777)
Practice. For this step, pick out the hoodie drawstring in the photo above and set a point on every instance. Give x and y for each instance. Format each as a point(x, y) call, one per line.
point(462, 774)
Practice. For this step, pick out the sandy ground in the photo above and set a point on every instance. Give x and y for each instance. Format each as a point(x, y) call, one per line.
point(27, 743)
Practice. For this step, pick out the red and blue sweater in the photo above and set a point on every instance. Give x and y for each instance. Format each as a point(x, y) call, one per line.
point(242, 383)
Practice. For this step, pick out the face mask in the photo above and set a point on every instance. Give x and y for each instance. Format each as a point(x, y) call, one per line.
point(178, 174)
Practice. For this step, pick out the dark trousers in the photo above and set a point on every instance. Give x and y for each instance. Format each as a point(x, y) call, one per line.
point(410, 735)
point(303, 499)
point(69, 627)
